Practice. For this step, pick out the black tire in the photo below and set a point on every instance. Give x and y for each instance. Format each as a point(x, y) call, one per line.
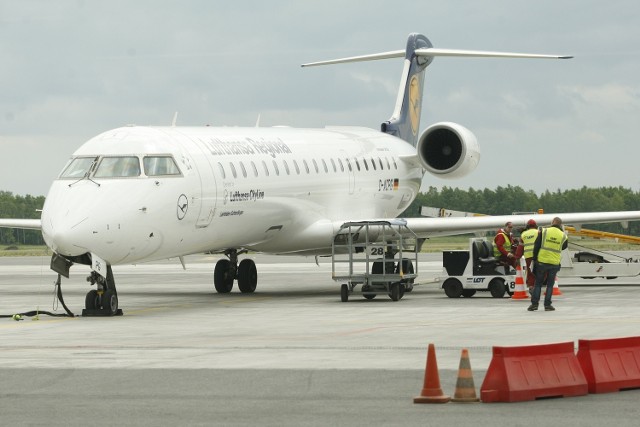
point(497, 288)
point(344, 292)
point(468, 293)
point(394, 291)
point(377, 267)
point(366, 292)
point(407, 268)
point(222, 279)
point(452, 288)
point(91, 300)
point(247, 276)
point(110, 301)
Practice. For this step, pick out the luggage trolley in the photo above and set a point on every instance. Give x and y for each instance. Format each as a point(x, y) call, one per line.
point(365, 252)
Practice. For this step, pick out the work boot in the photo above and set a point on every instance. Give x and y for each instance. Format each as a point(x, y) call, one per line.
point(549, 308)
point(533, 307)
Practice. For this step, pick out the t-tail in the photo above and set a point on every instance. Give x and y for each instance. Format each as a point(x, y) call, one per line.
point(419, 53)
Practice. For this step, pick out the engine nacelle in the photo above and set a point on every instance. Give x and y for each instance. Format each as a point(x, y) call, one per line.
point(448, 150)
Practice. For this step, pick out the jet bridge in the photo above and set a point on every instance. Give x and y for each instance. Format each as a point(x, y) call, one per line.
point(382, 256)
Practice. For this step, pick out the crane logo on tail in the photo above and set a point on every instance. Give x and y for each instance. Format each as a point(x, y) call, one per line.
point(414, 103)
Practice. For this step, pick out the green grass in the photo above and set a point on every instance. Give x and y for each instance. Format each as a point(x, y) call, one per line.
point(23, 250)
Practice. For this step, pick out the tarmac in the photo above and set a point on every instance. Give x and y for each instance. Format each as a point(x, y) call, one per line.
point(290, 354)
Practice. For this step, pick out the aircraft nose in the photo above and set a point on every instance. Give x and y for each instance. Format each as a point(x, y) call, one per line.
point(66, 238)
point(65, 222)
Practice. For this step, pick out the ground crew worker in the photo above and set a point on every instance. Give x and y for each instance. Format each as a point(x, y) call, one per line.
point(502, 246)
point(528, 238)
point(547, 252)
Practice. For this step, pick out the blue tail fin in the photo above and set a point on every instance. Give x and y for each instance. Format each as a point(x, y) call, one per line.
point(405, 121)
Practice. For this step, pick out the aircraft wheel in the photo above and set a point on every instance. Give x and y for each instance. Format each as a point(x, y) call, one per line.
point(452, 288)
point(468, 293)
point(247, 276)
point(344, 293)
point(110, 301)
point(497, 288)
point(91, 300)
point(222, 279)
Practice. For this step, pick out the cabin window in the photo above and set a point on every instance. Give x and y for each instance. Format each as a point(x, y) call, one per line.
point(366, 165)
point(118, 167)
point(306, 165)
point(224, 175)
point(324, 164)
point(295, 164)
point(373, 163)
point(333, 163)
point(275, 166)
point(341, 165)
point(286, 166)
point(388, 164)
point(233, 170)
point(381, 165)
point(349, 165)
point(315, 165)
point(160, 166)
point(255, 169)
point(78, 167)
point(266, 168)
point(357, 164)
point(395, 165)
point(244, 171)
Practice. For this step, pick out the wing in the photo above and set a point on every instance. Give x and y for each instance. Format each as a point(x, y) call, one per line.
point(25, 224)
point(426, 227)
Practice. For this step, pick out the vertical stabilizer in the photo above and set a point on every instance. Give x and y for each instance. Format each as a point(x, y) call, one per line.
point(405, 121)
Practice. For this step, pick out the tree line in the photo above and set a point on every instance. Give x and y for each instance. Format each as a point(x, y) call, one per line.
point(501, 201)
point(23, 207)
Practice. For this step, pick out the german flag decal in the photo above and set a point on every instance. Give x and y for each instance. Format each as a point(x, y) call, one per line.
point(396, 182)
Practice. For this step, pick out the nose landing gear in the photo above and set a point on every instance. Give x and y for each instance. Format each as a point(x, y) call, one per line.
point(102, 301)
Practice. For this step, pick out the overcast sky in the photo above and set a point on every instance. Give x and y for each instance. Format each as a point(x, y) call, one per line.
point(70, 70)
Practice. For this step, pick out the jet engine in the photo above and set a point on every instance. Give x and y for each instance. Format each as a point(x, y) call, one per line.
point(448, 150)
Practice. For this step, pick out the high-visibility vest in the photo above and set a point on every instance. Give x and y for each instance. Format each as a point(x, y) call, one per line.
point(507, 244)
point(528, 240)
point(551, 245)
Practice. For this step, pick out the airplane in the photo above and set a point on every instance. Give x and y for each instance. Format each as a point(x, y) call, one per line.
point(143, 193)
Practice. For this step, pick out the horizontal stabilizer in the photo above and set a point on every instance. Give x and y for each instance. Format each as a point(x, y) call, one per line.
point(432, 52)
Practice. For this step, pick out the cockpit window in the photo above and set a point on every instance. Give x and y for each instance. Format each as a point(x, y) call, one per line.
point(78, 167)
point(160, 165)
point(118, 167)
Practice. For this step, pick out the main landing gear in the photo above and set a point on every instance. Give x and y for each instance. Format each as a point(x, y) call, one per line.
point(102, 301)
point(228, 270)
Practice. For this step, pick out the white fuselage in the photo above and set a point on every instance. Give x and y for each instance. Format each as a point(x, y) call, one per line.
point(276, 190)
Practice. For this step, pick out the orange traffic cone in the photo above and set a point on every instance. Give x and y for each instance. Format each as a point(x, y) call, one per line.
point(431, 391)
point(556, 288)
point(520, 292)
point(465, 388)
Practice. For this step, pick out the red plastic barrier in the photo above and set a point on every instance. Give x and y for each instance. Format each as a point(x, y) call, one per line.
point(517, 374)
point(610, 364)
